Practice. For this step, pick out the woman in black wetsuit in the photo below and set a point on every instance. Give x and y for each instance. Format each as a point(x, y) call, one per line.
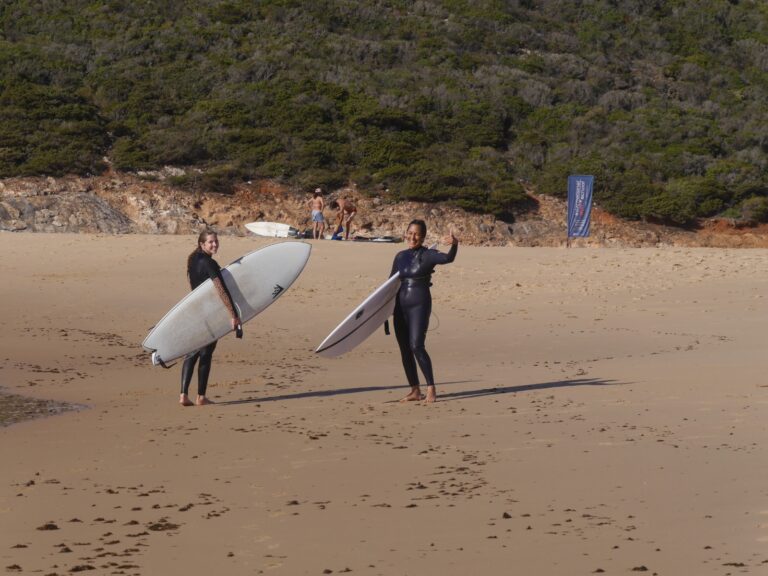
point(414, 305)
point(200, 267)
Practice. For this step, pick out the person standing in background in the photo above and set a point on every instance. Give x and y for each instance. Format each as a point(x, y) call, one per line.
point(317, 205)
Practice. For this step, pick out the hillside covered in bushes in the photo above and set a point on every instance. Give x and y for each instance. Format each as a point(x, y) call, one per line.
point(665, 102)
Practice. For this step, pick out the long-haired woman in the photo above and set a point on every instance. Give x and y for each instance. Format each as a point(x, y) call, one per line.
point(200, 267)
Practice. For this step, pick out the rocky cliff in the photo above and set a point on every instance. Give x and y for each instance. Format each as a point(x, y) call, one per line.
point(117, 203)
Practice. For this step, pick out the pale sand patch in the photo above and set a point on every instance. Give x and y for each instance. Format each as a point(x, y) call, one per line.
point(600, 410)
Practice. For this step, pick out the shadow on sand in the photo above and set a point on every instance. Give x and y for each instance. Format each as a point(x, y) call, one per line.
point(442, 396)
point(528, 388)
point(324, 393)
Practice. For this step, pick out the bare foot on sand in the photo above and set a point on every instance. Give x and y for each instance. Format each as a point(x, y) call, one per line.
point(203, 401)
point(414, 396)
point(185, 401)
point(431, 395)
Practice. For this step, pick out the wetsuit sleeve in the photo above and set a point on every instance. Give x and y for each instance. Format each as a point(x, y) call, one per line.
point(210, 268)
point(452, 252)
point(394, 266)
point(444, 257)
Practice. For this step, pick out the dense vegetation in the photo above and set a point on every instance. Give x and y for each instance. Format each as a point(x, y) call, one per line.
point(665, 102)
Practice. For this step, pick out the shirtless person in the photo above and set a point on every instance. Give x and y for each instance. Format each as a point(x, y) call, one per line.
point(345, 212)
point(316, 204)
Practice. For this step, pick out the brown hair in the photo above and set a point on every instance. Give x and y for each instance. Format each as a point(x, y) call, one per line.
point(200, 239)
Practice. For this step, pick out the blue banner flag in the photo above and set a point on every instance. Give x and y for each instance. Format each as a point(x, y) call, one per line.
point(579, 205)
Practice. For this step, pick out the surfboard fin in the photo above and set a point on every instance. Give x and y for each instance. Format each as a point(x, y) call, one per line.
point(386, 326)
point(239, 331)
point(157, 361)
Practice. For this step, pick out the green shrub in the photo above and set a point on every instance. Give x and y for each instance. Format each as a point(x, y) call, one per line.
point(51, 132)
point(754, 209)
point(221, 179)
point(670, 209)
point(684, 200)
point(128, 154)
point(457, 101)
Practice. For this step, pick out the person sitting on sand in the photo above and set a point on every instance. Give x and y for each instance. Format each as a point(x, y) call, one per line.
point(345, 211)
point(200, 267)
point(316, 204)
point(413, 305)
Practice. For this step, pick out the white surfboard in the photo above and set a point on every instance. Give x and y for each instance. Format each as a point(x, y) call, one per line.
point(254, 281)
point(271, 229)
point(392, 239)
point(363, 321)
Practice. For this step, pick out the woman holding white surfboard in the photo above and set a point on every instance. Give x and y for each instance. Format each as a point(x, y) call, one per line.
point(200, 267)
point(413, 305)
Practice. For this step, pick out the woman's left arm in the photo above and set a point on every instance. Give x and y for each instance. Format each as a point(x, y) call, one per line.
point(226, 297)
point(450, 256)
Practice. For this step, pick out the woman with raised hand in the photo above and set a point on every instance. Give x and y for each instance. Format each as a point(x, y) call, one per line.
point(413, 306)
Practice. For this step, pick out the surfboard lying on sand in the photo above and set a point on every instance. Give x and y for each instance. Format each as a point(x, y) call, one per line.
point(255, 281)
point(363, 321)
point(386, 239)
point(271, 229)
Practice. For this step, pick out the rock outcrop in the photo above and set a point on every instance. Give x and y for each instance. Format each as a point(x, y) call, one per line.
point(124, 203)
point(118, 203)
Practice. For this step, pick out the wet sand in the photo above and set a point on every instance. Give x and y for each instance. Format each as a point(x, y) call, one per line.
point(601, 411)
point(15, 408)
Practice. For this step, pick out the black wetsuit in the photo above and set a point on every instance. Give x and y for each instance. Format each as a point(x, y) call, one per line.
point(201, 267)
point(414, 306)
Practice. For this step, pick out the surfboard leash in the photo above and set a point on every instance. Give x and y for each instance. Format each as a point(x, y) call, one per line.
point(164, 365)
point(438, 323)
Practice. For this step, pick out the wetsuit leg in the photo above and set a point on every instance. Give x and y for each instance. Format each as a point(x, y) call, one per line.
point(402, 335)
point(204, 369)
point(187, 369)
point(418, 323)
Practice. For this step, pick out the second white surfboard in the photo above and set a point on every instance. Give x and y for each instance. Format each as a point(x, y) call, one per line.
point(363, 320)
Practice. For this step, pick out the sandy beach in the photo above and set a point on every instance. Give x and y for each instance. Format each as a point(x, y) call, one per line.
point(601, 411)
